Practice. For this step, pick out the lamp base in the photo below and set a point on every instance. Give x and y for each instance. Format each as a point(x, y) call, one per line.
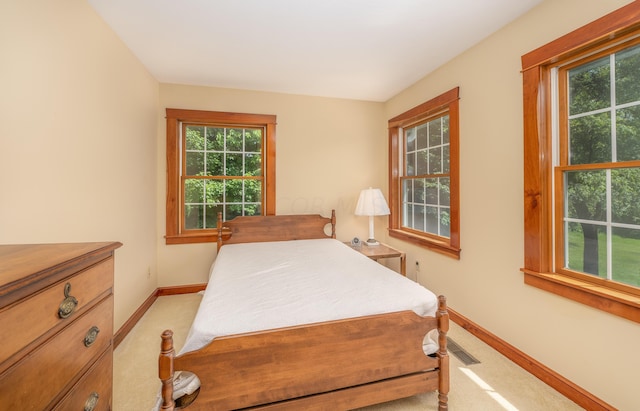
point(372, 242)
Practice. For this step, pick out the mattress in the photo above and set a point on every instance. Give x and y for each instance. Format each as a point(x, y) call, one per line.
point(268, 285)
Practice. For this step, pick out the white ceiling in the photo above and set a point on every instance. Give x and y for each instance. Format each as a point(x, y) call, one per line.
point(356, 49)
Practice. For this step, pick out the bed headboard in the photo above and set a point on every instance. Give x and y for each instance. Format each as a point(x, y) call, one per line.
point(251, 229)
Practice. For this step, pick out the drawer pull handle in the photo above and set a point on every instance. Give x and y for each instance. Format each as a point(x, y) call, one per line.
point(91, 336)
point(69, 304)
point(91, 402)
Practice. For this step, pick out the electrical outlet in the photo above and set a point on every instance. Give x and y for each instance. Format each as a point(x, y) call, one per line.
point(417, 266)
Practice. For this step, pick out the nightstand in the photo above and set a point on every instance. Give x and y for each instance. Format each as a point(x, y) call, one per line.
point(375, 252)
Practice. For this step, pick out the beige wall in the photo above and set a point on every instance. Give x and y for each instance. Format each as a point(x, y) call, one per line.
point(486, 285)
point(77, 139)
point(327, 150)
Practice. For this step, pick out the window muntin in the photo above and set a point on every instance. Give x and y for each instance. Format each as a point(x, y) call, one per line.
point(424, 174)
point(222, 172)
point(600, 198)
point(217, 161)
point(426, 180)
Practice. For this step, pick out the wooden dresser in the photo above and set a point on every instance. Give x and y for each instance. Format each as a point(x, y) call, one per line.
point(56, 326)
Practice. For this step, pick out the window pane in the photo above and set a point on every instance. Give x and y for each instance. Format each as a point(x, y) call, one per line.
point(407, 215)
point(421, 160)
point(252, 164)
point(435, 132)
point(234, 139)
point(587, 251)
point(625, 196)
point(418, 217)
point(411, 164)
point(233, 191)
point(628, 75)
point(589, 87)
point(446, 164)
point(215, 164)
point(435, 160)
point(195, 138)
point(418, 190)
point(431, 220)
point(215, 139)
point(234, 165)
point(626, 258)
point(421, 131)
point(431, 191)
point(251, 209)
point(445, 190)
point(253, 141)
point(590, 139)
point(407, 190)
point(194, 191)
point(445, 129)
point(445, 230)
point(195, 163)
point(628, 133)
point(586, 195)
point(215, 191)
point(193, 216)
point(410, 138)
point(252, 191)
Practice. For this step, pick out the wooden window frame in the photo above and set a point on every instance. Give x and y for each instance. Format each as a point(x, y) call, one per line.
point(539, 268)
point(175, 231)
point(448, 103)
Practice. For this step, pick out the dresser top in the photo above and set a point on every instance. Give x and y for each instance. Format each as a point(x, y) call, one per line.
point(35, 266)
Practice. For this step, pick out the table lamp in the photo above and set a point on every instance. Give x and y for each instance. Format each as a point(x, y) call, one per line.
point(372, 203)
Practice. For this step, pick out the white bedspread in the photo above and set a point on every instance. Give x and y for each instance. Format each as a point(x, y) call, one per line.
point(261, 286)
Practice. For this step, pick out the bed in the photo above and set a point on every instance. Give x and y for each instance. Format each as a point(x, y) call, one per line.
point(310, 349)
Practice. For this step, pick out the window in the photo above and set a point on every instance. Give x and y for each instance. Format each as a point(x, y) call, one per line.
point(582, 164)
point(217, 162)
point(424, 175)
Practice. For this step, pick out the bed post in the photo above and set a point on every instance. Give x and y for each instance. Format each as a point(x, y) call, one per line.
point(219, 227)
point(443, 327)
point(165, 370)
point(333, 223)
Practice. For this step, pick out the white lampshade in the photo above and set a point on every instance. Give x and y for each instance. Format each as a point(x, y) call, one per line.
point(372, 203)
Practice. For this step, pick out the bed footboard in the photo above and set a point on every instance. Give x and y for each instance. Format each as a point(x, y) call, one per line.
point(347, 364)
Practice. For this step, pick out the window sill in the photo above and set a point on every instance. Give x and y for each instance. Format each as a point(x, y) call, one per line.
point(612, 301)
point(431, 244)
point(192, 238)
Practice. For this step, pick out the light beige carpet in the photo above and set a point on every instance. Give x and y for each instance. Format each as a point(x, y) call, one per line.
point(493, 384)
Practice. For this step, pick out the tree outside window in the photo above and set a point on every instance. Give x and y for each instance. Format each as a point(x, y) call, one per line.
point(601, 183)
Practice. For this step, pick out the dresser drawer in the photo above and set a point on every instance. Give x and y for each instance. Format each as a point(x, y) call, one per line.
point(40, 377)
point(38, 315)
point(93, 392)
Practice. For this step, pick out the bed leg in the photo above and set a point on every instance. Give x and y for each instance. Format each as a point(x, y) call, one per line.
point(443, 327)
point(165, 370)
point(333, 223)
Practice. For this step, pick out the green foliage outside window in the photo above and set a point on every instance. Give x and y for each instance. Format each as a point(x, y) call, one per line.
point(223, 173)
point(602, 205)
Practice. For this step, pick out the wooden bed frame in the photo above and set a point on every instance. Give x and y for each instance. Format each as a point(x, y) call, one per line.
point(335, 365)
